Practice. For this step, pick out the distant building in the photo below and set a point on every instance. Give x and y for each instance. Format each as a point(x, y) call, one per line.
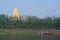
point(16, 16)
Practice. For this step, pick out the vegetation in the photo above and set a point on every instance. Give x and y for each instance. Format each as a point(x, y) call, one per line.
point(32, 22)
point(27, 36)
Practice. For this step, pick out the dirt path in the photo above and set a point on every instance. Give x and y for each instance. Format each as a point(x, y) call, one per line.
point(30, 30)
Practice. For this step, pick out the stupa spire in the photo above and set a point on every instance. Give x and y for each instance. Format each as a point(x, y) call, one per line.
point(15, 13)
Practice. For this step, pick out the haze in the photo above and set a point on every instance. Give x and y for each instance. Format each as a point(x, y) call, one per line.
point(39, 8)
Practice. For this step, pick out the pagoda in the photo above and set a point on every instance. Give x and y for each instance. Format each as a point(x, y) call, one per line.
point(15, 14)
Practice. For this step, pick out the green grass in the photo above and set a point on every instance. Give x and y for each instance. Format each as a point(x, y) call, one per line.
point(18, 36)
point(26, 36)
point(5, 33)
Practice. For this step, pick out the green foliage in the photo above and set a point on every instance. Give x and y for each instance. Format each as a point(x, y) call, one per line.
point(32, 22)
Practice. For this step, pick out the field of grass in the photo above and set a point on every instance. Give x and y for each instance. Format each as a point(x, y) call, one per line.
point(24, 35)
point(18, 36)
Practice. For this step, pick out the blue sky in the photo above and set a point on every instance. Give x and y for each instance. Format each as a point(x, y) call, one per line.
point(39, 8)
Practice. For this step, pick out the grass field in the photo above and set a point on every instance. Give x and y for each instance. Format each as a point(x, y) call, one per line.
point(26, 35)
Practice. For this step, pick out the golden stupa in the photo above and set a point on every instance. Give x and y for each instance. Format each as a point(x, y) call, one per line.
point(15, 13)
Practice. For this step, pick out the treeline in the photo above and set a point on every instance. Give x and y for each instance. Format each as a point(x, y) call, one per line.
point(31, 22)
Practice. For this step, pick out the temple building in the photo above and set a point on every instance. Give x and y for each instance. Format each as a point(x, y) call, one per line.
point(16, 15)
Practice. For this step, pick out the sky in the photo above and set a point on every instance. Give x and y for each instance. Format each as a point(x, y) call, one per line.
point(39, 8)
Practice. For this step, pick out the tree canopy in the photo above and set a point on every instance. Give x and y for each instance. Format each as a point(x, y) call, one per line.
point(31, 22)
